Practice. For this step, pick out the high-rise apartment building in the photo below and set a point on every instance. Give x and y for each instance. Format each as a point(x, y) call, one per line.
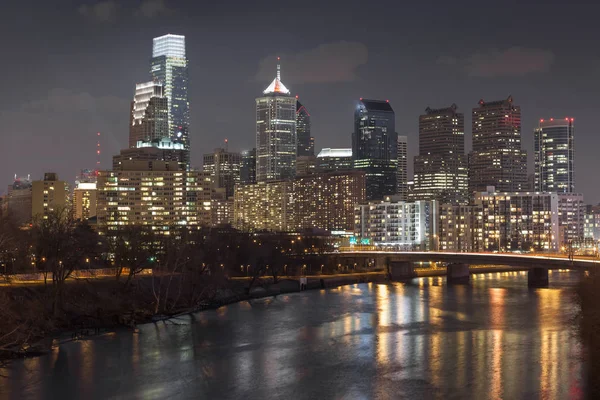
point(18, 200)
point(85, 199)
point(48, 195)
point(440, 169)
point(456, 228)
point(554, 149)
point(264, 206)
point(156, 150)
point(149, 114)
point(375, 147)
point(326, 201)
point(224, 169)
point(169, 67)
point(402, 178)
point(276, 143)
point(334, 160)
point(221, 208)
point(497, 158)
point(248, 167)
point(396, 223)
point(306, 143)
point(571, 217)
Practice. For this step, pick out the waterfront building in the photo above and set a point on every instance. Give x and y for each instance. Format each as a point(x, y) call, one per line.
point(329, 160)
point(402, 178)
point(48, 195)
point(169, 67)
point(591, 225)
point(276, 143)
point(554, 149)
point(497, 158)
point(306, 143)
point(266, 205)
point(392, 222)
point(516, 221)
point(248, 167)
point(149, 114)
point(326, 201)
point(571, 217)
point(19, 200)
point(440, 169)
point(456, 228)
point(224, 169)
point(375, 147)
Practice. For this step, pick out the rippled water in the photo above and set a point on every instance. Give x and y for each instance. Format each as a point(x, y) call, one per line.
point(494, 338)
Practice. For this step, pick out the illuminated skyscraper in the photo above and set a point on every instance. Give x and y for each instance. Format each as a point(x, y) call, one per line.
point(306, 143)
point(248, 167)
point(224, 169)
point(402, 189)
point(170, 68)
point(149, 114)
point(375, 147)
point(329, 160)
point(441, 166)
point(497, 158)
point(276, 143)
point(554, 156)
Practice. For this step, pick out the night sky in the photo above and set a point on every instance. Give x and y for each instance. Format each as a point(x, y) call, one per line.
point(69, 69)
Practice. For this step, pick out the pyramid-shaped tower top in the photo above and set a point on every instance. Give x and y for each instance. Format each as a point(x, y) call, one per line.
point(277, 86)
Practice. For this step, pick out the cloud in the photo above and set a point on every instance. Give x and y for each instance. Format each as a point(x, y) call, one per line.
point(153, 8)
point(514, 61)
point(102, 12)
point(326, 63)
point(61, 101)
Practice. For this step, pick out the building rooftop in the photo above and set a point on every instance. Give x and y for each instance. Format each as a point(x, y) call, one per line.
point(377, 105)
point(327, 152)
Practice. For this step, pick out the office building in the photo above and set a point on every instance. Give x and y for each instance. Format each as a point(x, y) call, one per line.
point(157, 194)
point(248, 167)
point(329, 160)
point(224, 169)
point(221, 208)
point(375, 147)
point(306, 143)
point(516, 221)
point(326, 201)
point(591, 225)
point(169, 67)
point(156, 150)
point(276, 143)
point(85, 198)
point(402, 178)
point(554, 151)
point(305, 165)
point(571, 217)
point(440, 169)
point(497, 158)
point(50, 194)
point(456, 228)
point(264, 206)
point(19, 200)
point(399, 224)
point(149, 114)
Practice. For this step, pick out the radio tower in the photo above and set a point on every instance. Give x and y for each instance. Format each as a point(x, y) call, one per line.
point(97, 155)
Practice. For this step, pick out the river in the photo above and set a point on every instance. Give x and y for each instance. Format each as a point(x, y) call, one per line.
point(493, 338)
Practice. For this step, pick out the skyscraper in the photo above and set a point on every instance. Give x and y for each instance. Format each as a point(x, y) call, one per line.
point(329, 160)
point(402, 178)
point(248, 167)
point(276, 143)
point(441, 166)
point(170, 68)
point(554, 156)
point(497, 158)
point(306, 143)
point(224, 169)
point(149, 114)
point(48, 195)
point(375, 147)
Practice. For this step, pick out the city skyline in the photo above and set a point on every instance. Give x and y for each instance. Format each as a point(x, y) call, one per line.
point(446, 76)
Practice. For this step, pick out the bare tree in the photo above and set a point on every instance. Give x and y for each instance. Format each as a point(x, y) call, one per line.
point(134, 249)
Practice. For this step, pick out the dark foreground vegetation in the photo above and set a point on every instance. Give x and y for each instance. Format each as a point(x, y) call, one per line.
point(155, 275)
point(589, 329)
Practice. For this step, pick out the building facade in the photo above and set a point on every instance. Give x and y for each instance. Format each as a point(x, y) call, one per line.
point(591, 225)
point(149, 114)
point(306, 143)
point(169, 67)
point(48, 195)
point(264, 206)
point(456, 228)
point(276, 143)
point(85, 200)
point(156, 150)
point(248, 167)
point(400, 224)
point(440, 169)
point(329, 160)
point(375, 147)
point(19, 201)
point(221, 208)
point(224, 168)
point(554, 150)
point(402, 178)
point(497, 158)
point(571, 217)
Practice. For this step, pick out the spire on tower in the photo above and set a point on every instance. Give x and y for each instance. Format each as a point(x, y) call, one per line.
point(278, 69)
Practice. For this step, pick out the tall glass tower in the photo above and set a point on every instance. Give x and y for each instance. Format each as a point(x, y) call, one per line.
point(554, 156)
point(170, 68)
point(306, 143)
point(276, 143)
point(375, 147)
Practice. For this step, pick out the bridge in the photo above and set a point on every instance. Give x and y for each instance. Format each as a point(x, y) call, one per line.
point(400, 264)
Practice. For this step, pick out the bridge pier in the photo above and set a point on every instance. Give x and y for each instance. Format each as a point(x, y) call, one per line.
point(458, 273)
point(537, 277)
point(401, 270)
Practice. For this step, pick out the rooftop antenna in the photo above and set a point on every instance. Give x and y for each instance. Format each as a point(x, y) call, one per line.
point(98, 153)
point(226, 144)
point(278, 69)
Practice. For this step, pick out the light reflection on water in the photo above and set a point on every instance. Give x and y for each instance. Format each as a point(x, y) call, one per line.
point(494, 338)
